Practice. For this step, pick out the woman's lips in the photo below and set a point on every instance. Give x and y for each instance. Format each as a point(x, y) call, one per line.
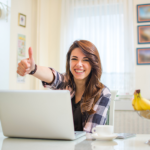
point(79, 71)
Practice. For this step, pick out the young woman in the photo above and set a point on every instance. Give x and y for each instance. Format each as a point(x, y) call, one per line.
point(90, 98)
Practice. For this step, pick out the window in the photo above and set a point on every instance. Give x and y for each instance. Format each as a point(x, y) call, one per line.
point(109, 26)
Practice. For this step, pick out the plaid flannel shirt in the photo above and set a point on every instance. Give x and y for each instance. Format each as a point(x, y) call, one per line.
point(101, 107)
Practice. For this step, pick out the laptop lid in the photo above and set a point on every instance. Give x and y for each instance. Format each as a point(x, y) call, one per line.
point(37, 114)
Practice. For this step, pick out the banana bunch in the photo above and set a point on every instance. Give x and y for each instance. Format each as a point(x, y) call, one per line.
point(140, 103)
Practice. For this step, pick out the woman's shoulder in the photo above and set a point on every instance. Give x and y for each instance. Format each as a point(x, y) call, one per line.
point(104, 100)
point(105, 91)
point(104, 96)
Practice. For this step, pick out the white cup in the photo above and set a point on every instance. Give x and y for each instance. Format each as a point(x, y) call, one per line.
point(103, 130)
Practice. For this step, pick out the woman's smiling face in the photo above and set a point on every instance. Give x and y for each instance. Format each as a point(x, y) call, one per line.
point(79, 65)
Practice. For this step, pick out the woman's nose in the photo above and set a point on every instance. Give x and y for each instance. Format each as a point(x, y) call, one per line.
point(79, 63)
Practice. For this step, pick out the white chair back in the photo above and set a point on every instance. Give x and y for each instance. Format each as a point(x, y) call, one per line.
point(112, 107)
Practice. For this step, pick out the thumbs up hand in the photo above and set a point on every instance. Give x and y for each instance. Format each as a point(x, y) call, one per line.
point(26, 65)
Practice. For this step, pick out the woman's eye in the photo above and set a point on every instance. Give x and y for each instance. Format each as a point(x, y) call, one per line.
point(73, 59)
point(86, 60)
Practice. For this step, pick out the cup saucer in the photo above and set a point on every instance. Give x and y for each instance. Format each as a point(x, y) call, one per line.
point(104, 137)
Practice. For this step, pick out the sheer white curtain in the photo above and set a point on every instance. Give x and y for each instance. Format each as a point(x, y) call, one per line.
point(109, 25)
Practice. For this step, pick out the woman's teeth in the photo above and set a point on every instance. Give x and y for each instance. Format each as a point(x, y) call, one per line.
point(79, 70)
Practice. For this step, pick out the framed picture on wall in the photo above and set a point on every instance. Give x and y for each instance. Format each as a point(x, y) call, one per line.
point(143, 34)
point(22, 20)
point(143, 56)
point(143, 13)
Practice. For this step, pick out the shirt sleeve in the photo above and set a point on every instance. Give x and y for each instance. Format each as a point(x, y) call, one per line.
point(101, 108)
point(59, 82)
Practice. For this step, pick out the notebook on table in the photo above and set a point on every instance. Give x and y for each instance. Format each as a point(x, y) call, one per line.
point(44, 114)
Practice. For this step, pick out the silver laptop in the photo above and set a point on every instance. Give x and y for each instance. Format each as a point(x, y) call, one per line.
point(45, 114)
point(38, 144)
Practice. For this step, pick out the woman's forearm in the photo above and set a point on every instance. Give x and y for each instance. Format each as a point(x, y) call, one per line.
point(44, 74)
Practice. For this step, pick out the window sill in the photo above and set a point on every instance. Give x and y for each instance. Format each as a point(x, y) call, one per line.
point(123, 102)
point(123, 97)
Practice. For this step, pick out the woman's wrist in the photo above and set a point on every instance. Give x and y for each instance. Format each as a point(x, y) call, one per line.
point(33, 71)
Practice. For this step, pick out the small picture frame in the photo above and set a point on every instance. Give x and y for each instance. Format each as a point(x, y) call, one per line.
point(143, 13)
point(143, 34)
point(143, 56)
point(22, 20)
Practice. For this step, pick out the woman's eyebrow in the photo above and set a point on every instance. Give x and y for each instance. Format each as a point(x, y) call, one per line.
point(86, 57)
point(83, 57)
point(75, 56)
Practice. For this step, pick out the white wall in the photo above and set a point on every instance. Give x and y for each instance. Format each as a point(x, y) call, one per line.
point(142, 71)
point(28, 8)
point(4, 49)
point(48, 34)
point(42, 34)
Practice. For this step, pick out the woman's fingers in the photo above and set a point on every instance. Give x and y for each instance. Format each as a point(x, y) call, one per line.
point(20, 73)
point(23, 68)
point(26, 65)
point(30, 54)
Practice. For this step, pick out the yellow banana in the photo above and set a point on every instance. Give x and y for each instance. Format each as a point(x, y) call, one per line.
point(144, 103)
point(136, 104)
point(133, 102)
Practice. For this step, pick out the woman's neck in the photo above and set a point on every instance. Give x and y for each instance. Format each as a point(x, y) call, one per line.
point(80, 86)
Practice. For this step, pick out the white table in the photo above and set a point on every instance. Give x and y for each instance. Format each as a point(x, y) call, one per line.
point(134, 143)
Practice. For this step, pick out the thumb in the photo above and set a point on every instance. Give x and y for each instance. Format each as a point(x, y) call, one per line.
point(30, 54)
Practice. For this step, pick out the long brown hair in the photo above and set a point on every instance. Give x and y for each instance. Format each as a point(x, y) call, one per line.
point(93, 85)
